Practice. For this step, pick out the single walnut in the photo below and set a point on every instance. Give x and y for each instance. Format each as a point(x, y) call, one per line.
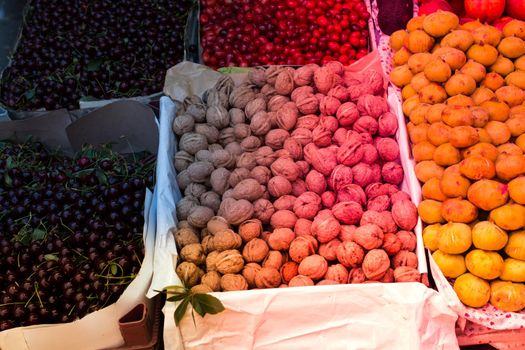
point(189, 273)
point(304, 75)
point(235, 211)
point(203, 156)
point(274, 260)
point(340, 93)
point(300, 281)
point(226, 136)
point(301, 247)
point(200, 171)
point(211, 258)
point(288, 271)
point(214, 97)
point(237, 116)
point(323, 79)
point(217, 224)
point(264, 156)
point(340, 177)
point(322, 159)
point(391, 244)
point(285, 202)
point(246, 160)
point(329, 250)
point(248, 189)
point(279, 186)
point(326, 283)
point(337, 273)
point(241, 131)
point(272, 73)
point(329, 105)
point(313, 266)
point(284, 83)
point(405, 214)
point(220, 180)
point(392, 173)
point(283, 219)
point(212, 279)
point(240, 96)
point(408, 240)
point(348, 213)
point(325, 228)
point(369, 236)
point(307, 104)
point(184, 206)
point(328, 199)
point(370, 154)
point(193, 253)
point(365, 174)
point(182, 160)
point(183, 179)
point(302, 136)
point(210, 132)
point(307, 205)
point(281, 238)
point(268, 90)
point(254, 106)
point(229, 261)
point(184, 237)
point(228, 194)
point(214, 147)
point(404, 258)
point(197, 111)
point(276, 102)
point(388, 277)
point(217, 116)
point(342, 135)
point(263, 210)
point(366, 124)
point(382, 219)
point(376, 189)
point(255, 250)
point(201, 289)
point(387, 148)
point(286, 168)
point(347, 233)
point(257, 76)
point(250, 229)
point(211, 200)
point(375, 264)
point(199, 216)
point(373, 106)
point(192, 142)
point(356, 275)
point(275, 138)
point(182, 124)
point(251, 143)
point(387, 124)
point(225, 240)
point(406, 274)
point(308, 122)
point(268, 277)
point(399, 196)
point(321, 137)
point(249, 272)
point(350, 254)
point(231, 282)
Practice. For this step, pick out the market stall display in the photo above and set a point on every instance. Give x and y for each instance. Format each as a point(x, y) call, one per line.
point(463, 98)
point(96, 50)
point(252, 33)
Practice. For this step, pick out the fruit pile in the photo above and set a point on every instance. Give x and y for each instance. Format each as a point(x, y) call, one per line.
point(99, 49)
point(70, 231)
point(463, 90)
point(292, 179)
point(252, 33)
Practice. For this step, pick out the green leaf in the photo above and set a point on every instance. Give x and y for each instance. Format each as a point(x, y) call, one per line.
point(174, 287)
point(83, 172)
point(232, 70)
point(7, 179)
point(208, 303)
point(197, 306)
point(9, 163)
point(94, 65)
point(177, 297)
point(51, 257)
point(101, 176)
point(114, 269)
point(38, 234)
point(30, 94)
point(180, 311)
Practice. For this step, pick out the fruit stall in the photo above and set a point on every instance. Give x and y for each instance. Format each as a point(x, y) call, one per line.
point(314, 171)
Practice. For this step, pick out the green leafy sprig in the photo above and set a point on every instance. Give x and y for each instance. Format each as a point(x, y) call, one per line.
point(201, 303)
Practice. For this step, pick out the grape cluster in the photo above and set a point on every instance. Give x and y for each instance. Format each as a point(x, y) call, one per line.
point(70, 231)
point(93, 48)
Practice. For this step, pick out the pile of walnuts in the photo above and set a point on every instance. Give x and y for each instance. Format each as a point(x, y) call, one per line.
point(291, 179)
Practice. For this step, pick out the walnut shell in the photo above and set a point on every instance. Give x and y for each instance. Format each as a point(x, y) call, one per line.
point(225, 240)
point(197, 111)
point(350, 254)
point(193, 253)
point(369, 236)
point(283, 219)
point(246, 160)
point(276, 102)
point(250, 143)
point(300, 281)
point(261, 174)
point(303, 136)
point(307, 205)
point(237, 116)
point(279, 186)
point(214, 97)
point(212, 279)
point(337, 273)
point(255, 250)
point(226, 136)
point(260, 123)
point(199, 216)
point(182, 124)
point(232, 282)
point(268, 90)
point(200, 171)
point(211, 200)
point(289, 271)
point(203, 156)
point(301, 247)
point(184, 237)
point(240, 96)
point(257, 76)
point(214, 147)
point(406, 274)
point(373, 106)
point(287, 116)
point(329, 250)
point(405, 258)
point(254, 106)
point(241, 131)
point(216, 224)
point(356, 275)
point(281, 238)
point(324, 79)
point(284, 83)
point(313, 266)
point(268, 277)
point(263, 210)
point(275, 138)
point(229, 261)
point(235, 211)
point(182, 160)
point(248, 189)
point(272, 72)
point(189, 273)
point(183, 179)
point(249, 272)
point(210, 132)
point(192, 142)
point(220, 180)
point(264, 156)
point(325, 228)
point(211, 258)
point(286, 168)
point(304, 75)
point(184, 207)
point(194, 190)
point(275, 259)
point(375, 264)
